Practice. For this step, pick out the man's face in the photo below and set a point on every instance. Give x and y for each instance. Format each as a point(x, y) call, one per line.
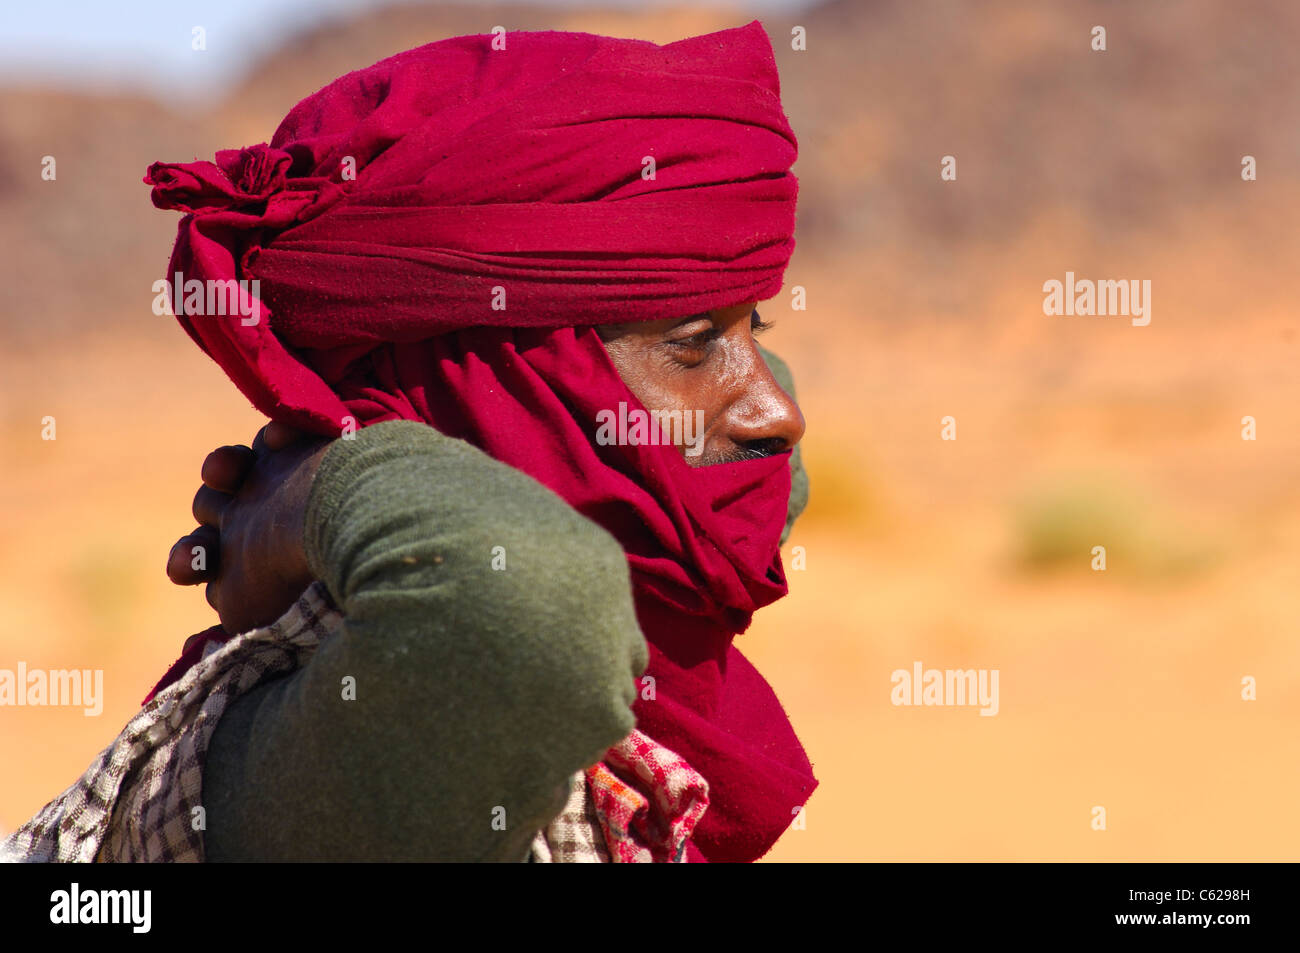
point(708, 362)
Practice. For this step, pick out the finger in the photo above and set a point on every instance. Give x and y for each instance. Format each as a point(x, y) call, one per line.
point(211, 593)
point(195, 558)
point(208, 506)
point(277, 435)
point(224, 469)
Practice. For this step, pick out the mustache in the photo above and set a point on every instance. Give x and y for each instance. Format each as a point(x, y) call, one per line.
point(755, 450)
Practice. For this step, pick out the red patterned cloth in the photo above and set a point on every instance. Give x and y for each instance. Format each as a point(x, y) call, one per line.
point(647, 799)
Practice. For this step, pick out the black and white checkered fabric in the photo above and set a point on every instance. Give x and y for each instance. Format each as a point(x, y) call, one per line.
point(141, 800)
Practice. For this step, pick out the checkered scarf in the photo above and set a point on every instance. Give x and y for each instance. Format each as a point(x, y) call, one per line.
point(639, 805)
point(141, 799)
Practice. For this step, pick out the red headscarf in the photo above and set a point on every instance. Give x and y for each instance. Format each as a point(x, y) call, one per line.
point(434, 237)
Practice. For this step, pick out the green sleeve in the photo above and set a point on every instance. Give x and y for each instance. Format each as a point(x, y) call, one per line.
point(798, 476)
point(479, 691)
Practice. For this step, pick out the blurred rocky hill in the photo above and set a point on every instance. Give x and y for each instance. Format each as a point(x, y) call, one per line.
point(1142, 141)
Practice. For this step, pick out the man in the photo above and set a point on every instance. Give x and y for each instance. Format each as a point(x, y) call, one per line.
point(482, 255)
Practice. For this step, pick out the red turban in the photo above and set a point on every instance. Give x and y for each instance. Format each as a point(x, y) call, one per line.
point(433, 238)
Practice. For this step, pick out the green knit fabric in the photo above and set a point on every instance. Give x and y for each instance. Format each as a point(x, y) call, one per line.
point(798, 476)
point(477, 689)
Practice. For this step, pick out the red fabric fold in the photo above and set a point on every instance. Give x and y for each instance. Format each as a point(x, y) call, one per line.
point(450, 224)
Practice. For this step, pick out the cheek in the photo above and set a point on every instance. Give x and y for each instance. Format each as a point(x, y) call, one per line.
point(695, 395)
point(660, 384)
point(707, 398)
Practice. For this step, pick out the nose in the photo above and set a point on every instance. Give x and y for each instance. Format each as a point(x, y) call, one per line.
point(764, 418)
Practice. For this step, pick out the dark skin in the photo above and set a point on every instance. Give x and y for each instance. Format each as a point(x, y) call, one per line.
point(252, 502)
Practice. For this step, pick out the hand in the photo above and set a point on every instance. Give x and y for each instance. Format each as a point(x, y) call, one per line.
point(248, 547)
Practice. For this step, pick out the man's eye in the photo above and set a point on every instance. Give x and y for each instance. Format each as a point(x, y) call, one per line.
point(697, 342)
point(757, 325)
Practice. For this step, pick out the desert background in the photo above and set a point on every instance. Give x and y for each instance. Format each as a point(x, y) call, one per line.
point(1119, 688)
